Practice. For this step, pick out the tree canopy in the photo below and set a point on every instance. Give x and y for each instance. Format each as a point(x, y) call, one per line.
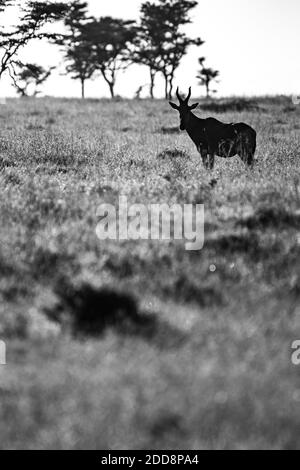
point(34, 15)
point(29, 76)
point(111, 41)
point(164, 43)
point(104, 46)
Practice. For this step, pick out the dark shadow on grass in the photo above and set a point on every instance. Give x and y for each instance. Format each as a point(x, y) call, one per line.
point(289, 109)
point(13, 281)
point(234, 243)
point(168, 130)
point(173, 153)
point(92, 312)
point(46, 265)
point(35, 127)
point(231, 105)
point(213, 182)
point(188, 290)
point(245, 244)
point(167, 424)
point(249, 245)
point(271, 217)
point(6, 163)
point(5, 268)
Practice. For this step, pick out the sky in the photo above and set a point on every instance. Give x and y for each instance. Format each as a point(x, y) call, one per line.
point(255, 44)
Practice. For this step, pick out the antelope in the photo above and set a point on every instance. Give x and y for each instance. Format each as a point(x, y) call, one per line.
point(214, 138)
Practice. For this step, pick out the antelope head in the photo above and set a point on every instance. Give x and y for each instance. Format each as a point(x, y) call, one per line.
point(184, 109)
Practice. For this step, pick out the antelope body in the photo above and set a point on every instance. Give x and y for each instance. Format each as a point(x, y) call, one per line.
point(214, 138)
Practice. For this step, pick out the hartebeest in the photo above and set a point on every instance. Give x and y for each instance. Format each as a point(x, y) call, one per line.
point(214, 138)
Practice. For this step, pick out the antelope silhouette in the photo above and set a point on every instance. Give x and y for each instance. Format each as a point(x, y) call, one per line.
point(214, 138)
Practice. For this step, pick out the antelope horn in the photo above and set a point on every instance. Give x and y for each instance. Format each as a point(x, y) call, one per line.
point(189, 95)
point(178, 95)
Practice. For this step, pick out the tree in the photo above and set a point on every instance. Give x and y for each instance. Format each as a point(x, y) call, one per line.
point(148, 46)
point(29, 76)
point(34, 15)
point(111, 41)
point(80, 64)
point(78, 54)
point(206, 76)
point(166, 44)
point(146, 54)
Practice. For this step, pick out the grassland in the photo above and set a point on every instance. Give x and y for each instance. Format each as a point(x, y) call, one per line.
point(177, 356)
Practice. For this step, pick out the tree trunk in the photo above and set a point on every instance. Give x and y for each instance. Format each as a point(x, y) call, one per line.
point(112, 89)
point(171, 86)
point(111, 82)
point(82, 88)
point(152, 79)
point(166, 87)
point(207, 90)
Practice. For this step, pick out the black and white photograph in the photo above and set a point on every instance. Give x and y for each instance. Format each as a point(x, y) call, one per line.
point(149, 228)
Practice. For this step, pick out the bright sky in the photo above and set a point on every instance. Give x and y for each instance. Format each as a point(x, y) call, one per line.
point(255, 44)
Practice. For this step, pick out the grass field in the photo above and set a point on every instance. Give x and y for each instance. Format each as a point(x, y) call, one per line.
point(179, 356)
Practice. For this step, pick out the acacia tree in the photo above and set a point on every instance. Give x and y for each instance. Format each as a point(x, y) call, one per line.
point(167, 42)
point(147, 46)
point(80, 64)
point(77, 53)
point(111, 41)
point(206, 76)
point(29, 76)
point(146, 54)
point(34, 15)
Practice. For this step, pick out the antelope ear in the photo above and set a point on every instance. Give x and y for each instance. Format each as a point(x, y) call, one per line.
point(174, 106)
point(194, 106)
